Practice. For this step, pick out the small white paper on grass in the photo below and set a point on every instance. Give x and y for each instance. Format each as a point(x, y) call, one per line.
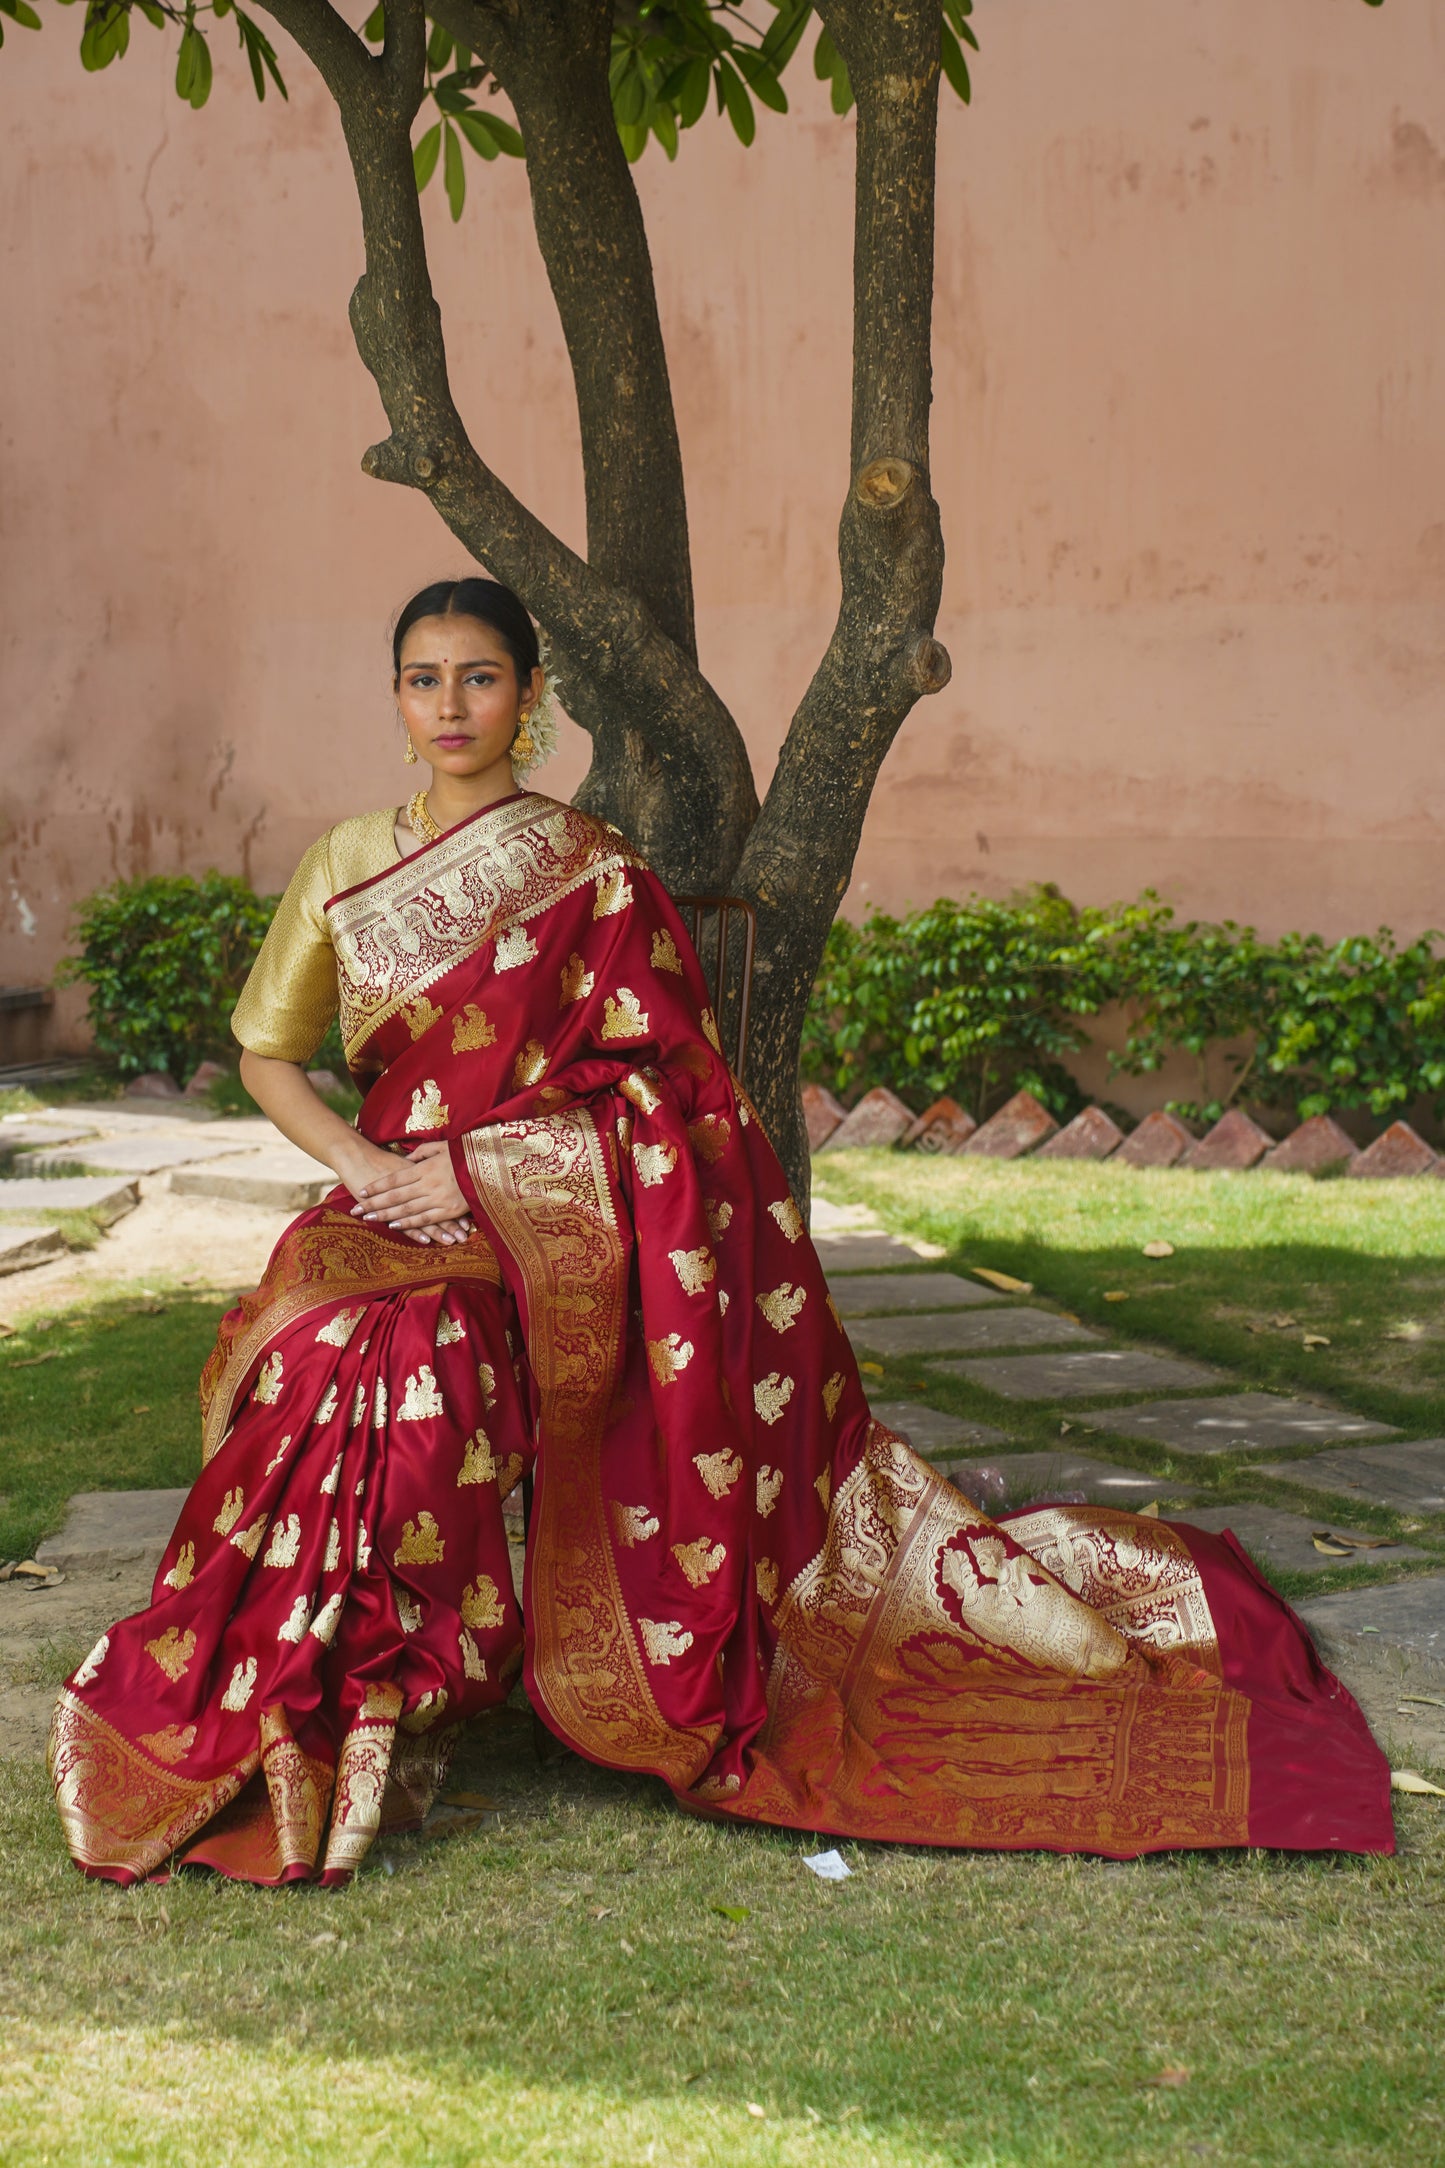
point(828, 1866)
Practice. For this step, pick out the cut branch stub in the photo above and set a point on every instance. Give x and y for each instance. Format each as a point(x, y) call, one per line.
point(883, 483)
point(929, 666)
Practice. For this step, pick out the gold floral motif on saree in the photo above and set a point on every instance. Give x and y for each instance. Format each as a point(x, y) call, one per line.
point(450, 1330)
point(577, 980)
point(788, 1217)
point(723, 1299)
point(427, 1711)
point(771, 1395)
point(719, 1216)
point(823, 1485)
point(474, 1664)
point(638, 1086)
point(1138, 1575)
point(669, 1357)
point(633, 1524)
point(231, 1508)
point(183, 1572)
point(614, 892)
point(172, 1651)
point(299, 1790)
point(663, 1639)
point(833, 1393)
point(285, 1546)
point(694, 1269)
point(421, 1397)
point(408, 1608)
point(719, 1471)
point(709, 1030)
point(337, 1331)
point(248, 1540)
point(328, 1618)
point(623, 1016)
point(514, 948)
point(277, 1457)
point(781, 1306)
point(548, 1192)
point(421, 1015)
point(700, 1559)
point(530, 1065)
point(481, 1605)
point(378, 1410)
point(477, 1466)
point(766, 1574)
point(654, 1162)
point(328, 1405)
point(293, 1626)
point(487, 1379)
point(833, 1312)
point(664, 953)
point(472, 1029)
point(332, 1477)
point(769, 1483)
point(709, 1137)
point(428, 1109)
point(381, 1702)
point(171, 1744)
point(93, 1662)
point(363, 1546)
point(332, 1559)
point(241, 1687)
point(268, 1380)
point(510, 1475)
point(422, 1542)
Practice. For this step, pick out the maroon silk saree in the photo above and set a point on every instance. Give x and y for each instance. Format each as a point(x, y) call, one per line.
point(735, 1578)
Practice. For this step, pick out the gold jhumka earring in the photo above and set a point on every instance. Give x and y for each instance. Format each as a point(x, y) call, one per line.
point(523, 747)
point(409, 756)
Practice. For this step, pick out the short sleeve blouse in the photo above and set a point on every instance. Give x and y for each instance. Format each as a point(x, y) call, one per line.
point(289, 1001)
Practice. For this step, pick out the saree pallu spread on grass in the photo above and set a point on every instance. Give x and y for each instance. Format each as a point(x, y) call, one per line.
point(735, 1578)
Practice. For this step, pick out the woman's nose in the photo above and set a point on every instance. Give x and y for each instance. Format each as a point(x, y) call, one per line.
point(452, 702)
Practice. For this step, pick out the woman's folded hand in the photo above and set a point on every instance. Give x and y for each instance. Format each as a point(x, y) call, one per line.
point(417, 1194)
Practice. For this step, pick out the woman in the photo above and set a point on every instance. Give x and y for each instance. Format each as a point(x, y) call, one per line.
point(562, 1241)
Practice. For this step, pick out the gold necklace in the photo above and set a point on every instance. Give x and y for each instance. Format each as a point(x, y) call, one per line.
point(419, 820)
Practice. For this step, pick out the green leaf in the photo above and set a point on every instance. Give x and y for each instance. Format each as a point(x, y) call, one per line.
point(825, 57)
point(424, 155)
point(438, 47)
point(261, 54)
point(783, 39)
point(374, 28)
point(955, 67)
point(762, 80)
point(474, 127)
point(106, 34)
point(692, 94)
point(738, 105)
point(664, 127)
point(842, 99)
point(633, 140)
point(454, 172)
point(20, 13)
point(629, 97)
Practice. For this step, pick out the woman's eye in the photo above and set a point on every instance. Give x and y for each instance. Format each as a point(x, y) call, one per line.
point(421, 681)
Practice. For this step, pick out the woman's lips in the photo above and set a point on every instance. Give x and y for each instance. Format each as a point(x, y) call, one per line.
point(451, 739)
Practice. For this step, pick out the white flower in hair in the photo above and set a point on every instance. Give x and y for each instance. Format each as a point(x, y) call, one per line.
point(542, 720)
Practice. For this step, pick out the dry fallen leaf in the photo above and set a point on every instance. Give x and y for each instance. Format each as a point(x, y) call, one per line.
point(754, 2109)
point(1410, 1780)
point(624, 1945)
point(1158, 1249)
point(875, 1370)
point(1064, 1429)
point(28, 1362)
point(1115, 1294)
point(604, 1914)
point(145, 1410)
point(1362, 1543)
point(1332, 1547)
point(1314, 1339)
point(1173, 2074)
point(1432, 1701)
point(1150, 1512)
point(1004, 1281)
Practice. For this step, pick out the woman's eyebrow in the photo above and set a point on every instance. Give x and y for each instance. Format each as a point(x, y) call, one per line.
point(481, 662)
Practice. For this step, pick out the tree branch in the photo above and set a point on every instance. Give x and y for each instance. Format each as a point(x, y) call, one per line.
point(617, 661)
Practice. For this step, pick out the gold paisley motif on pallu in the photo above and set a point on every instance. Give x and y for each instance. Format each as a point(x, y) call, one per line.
point(398, 933)
point(551, 1197)
point(324, 1260)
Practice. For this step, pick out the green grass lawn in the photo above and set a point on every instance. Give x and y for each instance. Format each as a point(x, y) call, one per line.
point(558, 1985)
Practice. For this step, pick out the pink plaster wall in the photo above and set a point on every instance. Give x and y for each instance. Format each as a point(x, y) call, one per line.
point(1190, 366)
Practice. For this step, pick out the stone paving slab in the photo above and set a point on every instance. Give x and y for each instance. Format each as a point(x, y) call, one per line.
point(1025, 1479)
point(283, 1177)
point(1235, 1423)
point(858, 1293)
point(950, 1332)
point(1409, 1615)
point(108, 1196)
point(864, 1253)
point(1067, 1377)
point(106, 1529)
point(36, 1131)
point(1273, 1537)
point(22, 1246)
point(134, 1155)
point(930, 1432)
point(1411, 1478)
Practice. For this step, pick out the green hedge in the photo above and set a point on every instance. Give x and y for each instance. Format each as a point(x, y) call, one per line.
point(981, 997)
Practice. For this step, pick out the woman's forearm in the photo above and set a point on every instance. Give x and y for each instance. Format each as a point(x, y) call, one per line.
point(281, 1091)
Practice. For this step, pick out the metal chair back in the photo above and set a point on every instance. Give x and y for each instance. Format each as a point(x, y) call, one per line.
point(724, 932)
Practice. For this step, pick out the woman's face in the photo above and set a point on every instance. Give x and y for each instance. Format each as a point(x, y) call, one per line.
point(458, 694)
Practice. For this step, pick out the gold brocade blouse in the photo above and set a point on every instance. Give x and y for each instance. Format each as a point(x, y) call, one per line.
point(287, 1004)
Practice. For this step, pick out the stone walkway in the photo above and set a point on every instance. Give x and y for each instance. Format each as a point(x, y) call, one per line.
point(1385, 1640)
